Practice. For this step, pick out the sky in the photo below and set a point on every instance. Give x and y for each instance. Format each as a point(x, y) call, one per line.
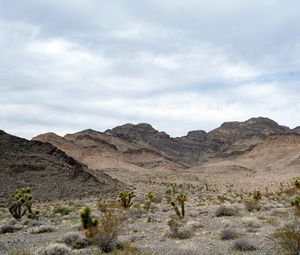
point(70, 65)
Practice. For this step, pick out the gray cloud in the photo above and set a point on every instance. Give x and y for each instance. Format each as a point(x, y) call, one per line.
point(69, 65)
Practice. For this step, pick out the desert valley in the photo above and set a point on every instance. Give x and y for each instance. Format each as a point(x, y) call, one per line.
point(135, 190)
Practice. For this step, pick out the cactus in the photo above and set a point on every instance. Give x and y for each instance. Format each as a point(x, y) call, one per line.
point(88, 223)
point(22, 198)
point(125, 198)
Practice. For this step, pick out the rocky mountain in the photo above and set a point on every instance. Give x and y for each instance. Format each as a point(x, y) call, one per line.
point(48, 171)
point(142, 147)
point(296, 130)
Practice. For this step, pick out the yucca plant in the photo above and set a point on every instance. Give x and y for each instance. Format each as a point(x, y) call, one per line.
point(125, 198)
point(181, 199)
point(22, 203)
point(88, 222)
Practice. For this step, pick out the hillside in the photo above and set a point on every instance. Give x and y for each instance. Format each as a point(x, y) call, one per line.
point(48, 171)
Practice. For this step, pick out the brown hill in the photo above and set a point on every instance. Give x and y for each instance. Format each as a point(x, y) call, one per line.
point(272, 160)
point(130, 146)
point(242, 149)
point(48, 171)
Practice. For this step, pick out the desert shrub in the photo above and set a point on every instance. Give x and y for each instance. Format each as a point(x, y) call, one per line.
point(109, 227)
point(296, 203)
point(252, 204)
point(178, 228)
point(7, 229)
point(135, 213)
point(126, 249)
point(63, 210)
point(288, 237)
point(55, 249)
point(226, 210)
point(125, 198)
point(42, 229)
point(19, 252)
point(228, 234)
point(251, 222)
point(243, 245)
point(75, 240)
point(88, 222)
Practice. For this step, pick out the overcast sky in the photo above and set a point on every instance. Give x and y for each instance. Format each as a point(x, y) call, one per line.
point(69, 65)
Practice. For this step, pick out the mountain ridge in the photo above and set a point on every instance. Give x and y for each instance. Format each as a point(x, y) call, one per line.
point(143, 146)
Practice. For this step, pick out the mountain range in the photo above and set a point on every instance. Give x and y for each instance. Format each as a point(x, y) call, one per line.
point(258, 149)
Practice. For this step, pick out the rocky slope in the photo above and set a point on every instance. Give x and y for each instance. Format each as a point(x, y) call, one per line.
point(134, 146)
point(48, 171)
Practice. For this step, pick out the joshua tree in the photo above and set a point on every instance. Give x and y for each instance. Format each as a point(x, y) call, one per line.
point(181, 199)
point(149, 199)
point(125, 198)
point(22, 202)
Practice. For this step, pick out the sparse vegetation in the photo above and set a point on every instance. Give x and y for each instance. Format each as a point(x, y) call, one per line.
point(178, 228)
point(252, 204)
point(226, 210)
point(288, 237)
point(228, 234)
point(243, 245)
point(109, 227)
point(19, 252)
point(42, 229)
point(62, 210)
point(75, 240)
point(55, 249)
point(296, 203)
point(125, 249)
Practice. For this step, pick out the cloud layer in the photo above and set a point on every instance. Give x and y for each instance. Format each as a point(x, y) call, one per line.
point(185, 65)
